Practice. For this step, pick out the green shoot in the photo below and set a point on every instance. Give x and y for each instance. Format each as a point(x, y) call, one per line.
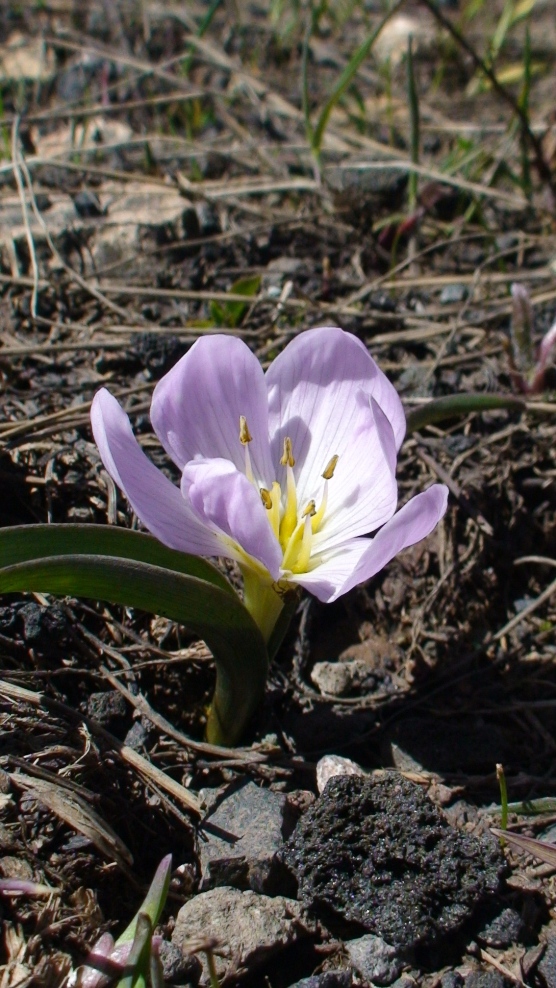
point(413, 101)
point(316, 134)
point(500, 775)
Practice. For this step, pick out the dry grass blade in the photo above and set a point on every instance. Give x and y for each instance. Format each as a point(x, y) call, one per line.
point(78, 815)
point(529, 845)
point(153, 774)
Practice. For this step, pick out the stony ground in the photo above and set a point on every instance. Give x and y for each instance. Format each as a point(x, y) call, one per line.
point(156, 184)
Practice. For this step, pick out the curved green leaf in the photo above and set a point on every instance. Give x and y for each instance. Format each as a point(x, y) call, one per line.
point(154, 901)
point(21, 543)
point(215, 615)
point(440, 409)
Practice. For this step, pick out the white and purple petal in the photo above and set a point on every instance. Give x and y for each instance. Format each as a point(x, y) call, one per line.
point(363, 493)
point(197, 405)
point(313, 388)
point(360, 559)
point(157, 503)
point(228, 504)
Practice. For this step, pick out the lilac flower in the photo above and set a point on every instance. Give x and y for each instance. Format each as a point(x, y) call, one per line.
point(285, 472)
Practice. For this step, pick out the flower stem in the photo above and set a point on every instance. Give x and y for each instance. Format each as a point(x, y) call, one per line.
point(262, 602)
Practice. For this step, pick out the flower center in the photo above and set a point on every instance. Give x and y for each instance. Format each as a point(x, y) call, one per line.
point(293, 527)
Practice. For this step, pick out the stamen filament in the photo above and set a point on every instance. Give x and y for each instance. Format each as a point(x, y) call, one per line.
point(319, 515)
point(291, 550)
point(328, 473)
point(274, 512)
point(302, 561)
point(289, 518)
point(248, 467)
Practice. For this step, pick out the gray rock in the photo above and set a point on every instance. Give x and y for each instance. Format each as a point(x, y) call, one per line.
point(109, 709)
point(87, 205)
point(549, 834)
point(451, 979)
point(208, 219)
point(328, 979)
point(121, 222)
point(452, 294)
point(334, 678)
point(547, 964)
point(330, 765)
point(177, 967)
point(377, 852)
point(359, 193)
point(502, 931)
point(375, 960)
point(487, 979)
point(406, 981)
point(371, 181)
point(138, 735)
point(249, 928)
point(242, 838)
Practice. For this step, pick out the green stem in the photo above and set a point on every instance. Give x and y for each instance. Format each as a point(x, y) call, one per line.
point(413, 100)
point(501, 776)
point(262, 602)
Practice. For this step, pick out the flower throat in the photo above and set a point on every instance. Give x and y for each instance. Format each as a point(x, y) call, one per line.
point(293, 529)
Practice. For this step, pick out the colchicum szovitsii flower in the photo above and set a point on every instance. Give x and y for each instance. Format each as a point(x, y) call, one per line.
point(286, 472)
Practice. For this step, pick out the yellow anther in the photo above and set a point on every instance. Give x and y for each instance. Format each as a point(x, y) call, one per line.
point(244, 434)
point(311, 509)
point(266, 498)
point(330, 467)
point(287, 456)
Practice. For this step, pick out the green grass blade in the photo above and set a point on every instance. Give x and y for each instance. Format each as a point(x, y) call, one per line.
point(154, 901)
point(305, 102)
point(346, 77)
point(137, 963)
point(215, 615)
point(27, 542)
point(414, 124)
point(440, 409)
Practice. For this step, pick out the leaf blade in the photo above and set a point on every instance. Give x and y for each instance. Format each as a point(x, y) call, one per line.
point(440, 409)
point(216, 616)
point(21, 543)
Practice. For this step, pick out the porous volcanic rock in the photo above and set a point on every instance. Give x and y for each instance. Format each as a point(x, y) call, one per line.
point(377, 852)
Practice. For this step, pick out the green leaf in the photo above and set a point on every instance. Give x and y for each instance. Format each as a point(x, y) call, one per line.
point(440, 409)
point(26, 542)
point(212, 613)
point(345, 79)
point(231, 313)
point(154, 901)
point(137, 964)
